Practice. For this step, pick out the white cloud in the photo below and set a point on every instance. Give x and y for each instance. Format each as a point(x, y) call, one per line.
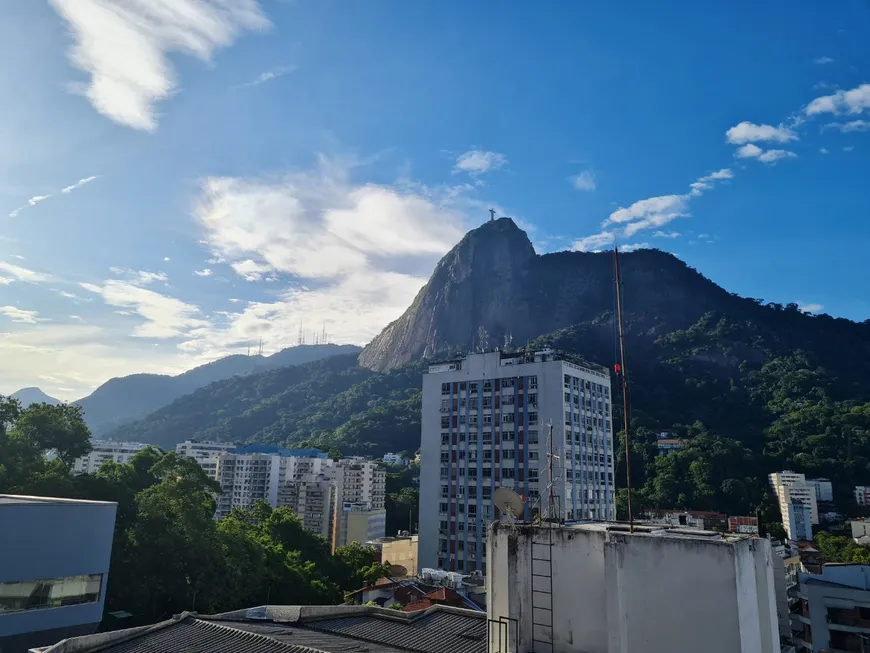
point(823, 150)
point(139, 277)
point(69, 360)
point(76, 318)
point(352, 254)
point(584, 181)
point(36, 199)
point(848, 148)
point(854, 100)
point(476, 162)
point(666, 234)
point(269, 76)
point(811, 308)
point(165, 317)
point(250, 270)
point(78, 184)
point(205, 272)
point(23, 274)
point(724, 173)
point(751, 151)
point(634, 247)
point(594, 242)
point(20, 315)
point(68, 295)
point(747, 132)
point(851, 126)
point(823, 60)
point(651, 212)
point(124, 47)
point(165, 259)
point(770, 156)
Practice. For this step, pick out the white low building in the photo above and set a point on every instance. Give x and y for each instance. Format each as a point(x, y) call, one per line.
point(596, 588)
point(103, 451)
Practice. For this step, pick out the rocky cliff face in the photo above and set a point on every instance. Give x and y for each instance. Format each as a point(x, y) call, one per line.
point(492, 286)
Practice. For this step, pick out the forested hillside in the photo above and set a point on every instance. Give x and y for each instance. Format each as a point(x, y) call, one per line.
point(752, 387)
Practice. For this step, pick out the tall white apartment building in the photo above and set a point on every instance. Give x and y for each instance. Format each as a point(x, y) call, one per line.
point(797, 500)
point(484, 425)
point(360, 495)
point(312, 498)
point(103, 451)
point(205, 453)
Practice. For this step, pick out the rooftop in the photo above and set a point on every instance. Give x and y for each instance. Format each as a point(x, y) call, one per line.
point(22, 499)
point(642, 529)
point(297, 629)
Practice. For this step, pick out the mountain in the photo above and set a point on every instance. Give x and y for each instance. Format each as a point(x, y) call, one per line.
point(493, 286)
point(750, 387)
point(127, 398)
point(29, 396)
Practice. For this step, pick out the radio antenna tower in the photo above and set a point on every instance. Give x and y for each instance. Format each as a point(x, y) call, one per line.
point(260, 350)
point(323, 334)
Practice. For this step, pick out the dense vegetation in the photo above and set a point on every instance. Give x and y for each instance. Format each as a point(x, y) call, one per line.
point(168, 553)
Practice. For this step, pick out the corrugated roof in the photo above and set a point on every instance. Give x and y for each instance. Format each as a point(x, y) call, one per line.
point(435, 631)
point(297, 629)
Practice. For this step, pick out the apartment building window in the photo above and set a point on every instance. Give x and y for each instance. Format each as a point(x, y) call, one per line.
point(472, 388)
point(507, 400)
point(487, 492)
point(445, 473)
point(445, 388)
point(49, 592)
point(533, 399)
point(445, 422)
point(567, 418)
point(472, 510)
point(487, 402)
point(567, 398)
point(533, 474)
point(472, 420)
point(462, 385)
point(443, 507)
point(487, 472)
point(507, 383)
point(507, 472)
point(445, 438)
point(533, 382)
point(445, 456)
point(533, 455)
point(507, 436)
point(507, 454)
point(487, 386)
point(472, 473)
point(487, 419)
point(533, 419)
point(460, 527)
point(507, 418)
point(487, 455)
point(472, 438)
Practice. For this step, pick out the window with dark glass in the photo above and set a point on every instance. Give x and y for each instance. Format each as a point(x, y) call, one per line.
point(49, 592)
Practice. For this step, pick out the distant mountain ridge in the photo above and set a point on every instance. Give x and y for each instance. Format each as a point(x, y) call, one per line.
point(686, 337)
point(124, 399)
point(33, 395)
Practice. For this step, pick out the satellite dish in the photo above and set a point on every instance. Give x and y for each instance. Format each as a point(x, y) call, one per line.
point(509, 502)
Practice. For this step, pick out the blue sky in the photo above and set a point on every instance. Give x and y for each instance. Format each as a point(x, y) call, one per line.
point(178, 178)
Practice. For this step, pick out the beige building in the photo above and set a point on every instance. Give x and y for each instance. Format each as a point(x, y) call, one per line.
point(360, 494)
point(400, 552)
point(796, 497)
point(311, 497)
point(103, 451)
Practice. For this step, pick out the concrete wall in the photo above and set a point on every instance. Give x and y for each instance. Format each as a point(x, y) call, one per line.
point(620, 593)
point(401, 552)
point(52, 540)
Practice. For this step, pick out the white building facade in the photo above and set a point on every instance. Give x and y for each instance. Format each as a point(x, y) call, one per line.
point(360, 497)
point(596, 588)
point(484, 425)
point(797, 500)
point(103, 451)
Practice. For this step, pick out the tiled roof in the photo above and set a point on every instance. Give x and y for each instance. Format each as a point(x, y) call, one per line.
point(437, 630)
point(297, 629)
point(192, 635)
point(444, 594)
point(418, 605)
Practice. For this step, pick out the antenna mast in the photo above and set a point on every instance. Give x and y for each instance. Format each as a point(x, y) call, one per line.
point(623, 375)
point(551, 484)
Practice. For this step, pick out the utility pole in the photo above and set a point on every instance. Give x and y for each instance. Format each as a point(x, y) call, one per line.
point(623, 374)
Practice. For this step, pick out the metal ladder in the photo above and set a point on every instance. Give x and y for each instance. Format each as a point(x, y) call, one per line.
point(542, 592)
